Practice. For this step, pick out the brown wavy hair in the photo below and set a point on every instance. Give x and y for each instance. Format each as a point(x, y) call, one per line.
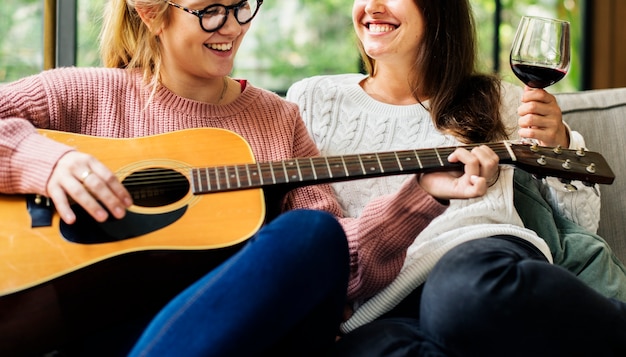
point(462, 101)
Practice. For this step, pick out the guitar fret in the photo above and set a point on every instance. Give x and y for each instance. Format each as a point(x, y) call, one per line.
point(298, 168)
point(197, 180)
point(237, 176)
point(382, 169)
point(208, 178)
point(338, 166)
point(226, 177)
point(217, 178)
point(438, 156)
point(395, 153)
point(345, 167)
point(313, 168)
point(362, 166)
point(292, 171)
point(389, 162)
point(419, 161)
point(285, 171)
point(271, 167)
point(330, 172)
point(507, 146)
point(371, 163)
point(248, 175)
point(260, 173)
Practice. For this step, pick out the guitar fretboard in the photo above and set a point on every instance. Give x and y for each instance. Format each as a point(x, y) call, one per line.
point(317, 170)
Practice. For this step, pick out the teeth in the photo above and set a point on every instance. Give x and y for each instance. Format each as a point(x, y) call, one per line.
point(220, 46)
point(380, 28)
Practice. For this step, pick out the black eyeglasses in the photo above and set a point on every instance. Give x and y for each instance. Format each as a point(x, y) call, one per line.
point(213, 17)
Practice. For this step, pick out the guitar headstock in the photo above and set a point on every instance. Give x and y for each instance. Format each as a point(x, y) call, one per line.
point(586, 166)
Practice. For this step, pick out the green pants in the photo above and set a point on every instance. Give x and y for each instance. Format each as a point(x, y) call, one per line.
point(585, 254)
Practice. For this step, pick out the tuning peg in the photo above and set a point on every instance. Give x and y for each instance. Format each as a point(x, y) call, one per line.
point(580, 152)
point(593, 186)
point(567, 185)
point(567, 164)
point(591, 168)
point(542, 160)
point(558, 149)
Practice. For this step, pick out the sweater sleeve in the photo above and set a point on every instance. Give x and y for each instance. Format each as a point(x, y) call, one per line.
point(574, 200)
point(379, 237)
point(26, 158)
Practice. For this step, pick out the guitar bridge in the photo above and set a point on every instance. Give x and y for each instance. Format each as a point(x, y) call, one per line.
point(40, 209)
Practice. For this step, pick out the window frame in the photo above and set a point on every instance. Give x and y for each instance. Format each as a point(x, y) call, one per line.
point(60, 37)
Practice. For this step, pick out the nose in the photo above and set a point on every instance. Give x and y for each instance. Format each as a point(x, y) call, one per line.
point(231, 25)
point(375, 6)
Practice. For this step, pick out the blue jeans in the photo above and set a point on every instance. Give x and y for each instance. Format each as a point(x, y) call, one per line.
point(496, 296)
point(283, 292)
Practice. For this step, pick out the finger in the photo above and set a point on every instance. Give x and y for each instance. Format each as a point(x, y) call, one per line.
point(82, 196)
point(537, 95)
point(459, 154)
point(538, 109)
point(484, 154)
point(538, 122)
point(478, 181)
point(107, 189)
point(471, 162)
point(488, 160)
point(112, 182)
point(62, 205)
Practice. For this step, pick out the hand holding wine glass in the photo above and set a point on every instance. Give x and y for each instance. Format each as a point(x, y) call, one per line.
point(540, 55)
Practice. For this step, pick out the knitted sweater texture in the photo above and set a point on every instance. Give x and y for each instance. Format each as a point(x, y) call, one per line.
point(116, 103)
point(343, 119)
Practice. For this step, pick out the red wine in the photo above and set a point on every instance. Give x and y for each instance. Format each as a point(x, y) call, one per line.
point(536, 76)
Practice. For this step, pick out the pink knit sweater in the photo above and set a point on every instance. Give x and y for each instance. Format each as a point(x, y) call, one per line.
point(115, 103)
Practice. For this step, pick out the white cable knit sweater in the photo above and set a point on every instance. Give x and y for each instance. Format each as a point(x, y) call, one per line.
point(343, 119)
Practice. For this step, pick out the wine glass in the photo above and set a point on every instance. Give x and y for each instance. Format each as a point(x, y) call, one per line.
point(540, 55)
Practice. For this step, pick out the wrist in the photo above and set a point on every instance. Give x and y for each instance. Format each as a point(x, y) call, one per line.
point(494, 178)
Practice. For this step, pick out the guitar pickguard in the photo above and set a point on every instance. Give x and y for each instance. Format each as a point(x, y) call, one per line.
point(86, 230)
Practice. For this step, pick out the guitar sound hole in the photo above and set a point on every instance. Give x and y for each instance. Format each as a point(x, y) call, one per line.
point(155, 187)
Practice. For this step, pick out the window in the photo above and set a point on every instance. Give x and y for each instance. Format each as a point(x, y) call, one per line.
point(288, 40)
point(510, 13)
point(21, 38)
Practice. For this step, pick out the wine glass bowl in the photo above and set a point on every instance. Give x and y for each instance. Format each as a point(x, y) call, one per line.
point(540, 55)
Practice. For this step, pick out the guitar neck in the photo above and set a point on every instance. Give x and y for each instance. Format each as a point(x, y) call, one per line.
point(317, 170)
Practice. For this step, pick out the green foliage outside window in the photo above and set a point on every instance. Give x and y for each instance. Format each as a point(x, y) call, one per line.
point(289, 39)
point(21, 38)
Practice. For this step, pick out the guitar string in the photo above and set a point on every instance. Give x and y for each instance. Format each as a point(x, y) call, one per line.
point(171, 176)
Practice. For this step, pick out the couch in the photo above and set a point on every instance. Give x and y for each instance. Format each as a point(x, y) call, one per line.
point(600, 116)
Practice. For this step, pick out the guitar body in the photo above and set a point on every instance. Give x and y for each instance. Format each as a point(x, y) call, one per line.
point(58, 279)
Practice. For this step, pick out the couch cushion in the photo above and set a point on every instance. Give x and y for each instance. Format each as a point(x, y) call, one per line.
point(600, 116)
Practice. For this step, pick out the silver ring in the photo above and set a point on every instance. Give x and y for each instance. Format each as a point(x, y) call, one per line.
point(85, 174)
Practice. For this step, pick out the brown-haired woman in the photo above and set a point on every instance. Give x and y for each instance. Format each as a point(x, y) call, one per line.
point(477, 280)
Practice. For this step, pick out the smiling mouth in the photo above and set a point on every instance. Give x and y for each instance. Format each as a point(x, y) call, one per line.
point(220, 46)
point(380, 28)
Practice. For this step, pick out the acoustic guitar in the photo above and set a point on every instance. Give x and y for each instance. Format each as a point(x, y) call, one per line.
point(198, 194)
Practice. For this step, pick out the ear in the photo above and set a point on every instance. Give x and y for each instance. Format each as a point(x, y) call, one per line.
point(148, 17)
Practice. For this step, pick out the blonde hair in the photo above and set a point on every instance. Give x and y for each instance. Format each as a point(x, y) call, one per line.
point(127, 42)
